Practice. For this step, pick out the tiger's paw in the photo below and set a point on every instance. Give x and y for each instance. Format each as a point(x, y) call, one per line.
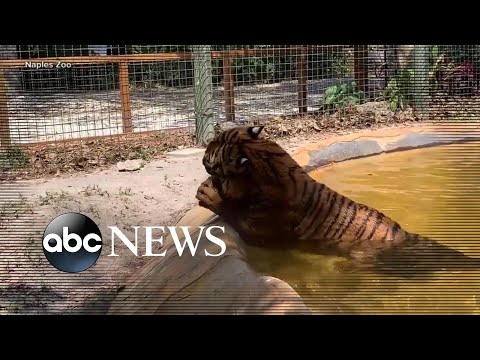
point(208, 196)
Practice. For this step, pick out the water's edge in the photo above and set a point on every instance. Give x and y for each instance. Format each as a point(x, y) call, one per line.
point(361, 147)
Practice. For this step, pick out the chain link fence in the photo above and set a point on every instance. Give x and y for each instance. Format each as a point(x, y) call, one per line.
point(56, 93)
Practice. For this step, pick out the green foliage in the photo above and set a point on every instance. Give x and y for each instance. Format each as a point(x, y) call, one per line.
point(13, 157)
point(438, 66)
point(338, 97)
point(399, 89)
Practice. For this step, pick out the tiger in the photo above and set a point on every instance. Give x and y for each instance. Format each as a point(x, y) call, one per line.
point(271, 201)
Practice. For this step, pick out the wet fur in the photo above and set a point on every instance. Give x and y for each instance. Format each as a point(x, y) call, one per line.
point(272, 202)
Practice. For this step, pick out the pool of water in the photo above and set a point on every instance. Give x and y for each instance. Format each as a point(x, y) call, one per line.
point(432, 191)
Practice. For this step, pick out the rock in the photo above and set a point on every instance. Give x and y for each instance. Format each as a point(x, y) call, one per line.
point(130, 165)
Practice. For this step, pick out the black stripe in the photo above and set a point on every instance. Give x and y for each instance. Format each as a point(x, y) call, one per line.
point(317, 221)
point(313, 200)
point(272, 169)
point(223, 136)
point(223, 158)
point(310, 198)
point(395, 229)
point(296, 183)
point(228, 135)
point(214, 154)
point(363, 227)
point(223, 153)
point(291, 174)
point(305, 189)
point(235, 136)
point(353, 214)
point(277, 153)
point(337, 216)
point(321, 189)
point(378, 222)
point(386, 234)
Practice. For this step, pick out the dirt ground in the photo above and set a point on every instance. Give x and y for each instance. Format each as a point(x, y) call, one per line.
point(158, 194)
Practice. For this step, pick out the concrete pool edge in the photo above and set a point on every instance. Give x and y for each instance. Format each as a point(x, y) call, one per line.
point(375, 142)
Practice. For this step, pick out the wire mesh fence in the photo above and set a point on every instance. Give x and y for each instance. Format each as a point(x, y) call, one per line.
point(53, 93)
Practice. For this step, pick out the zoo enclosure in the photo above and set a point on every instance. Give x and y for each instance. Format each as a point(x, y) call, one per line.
point(73, 92)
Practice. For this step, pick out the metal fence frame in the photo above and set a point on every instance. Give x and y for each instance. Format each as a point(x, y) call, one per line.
point(360, 70)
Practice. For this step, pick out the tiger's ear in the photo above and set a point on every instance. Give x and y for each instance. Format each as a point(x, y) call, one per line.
point(254, 131)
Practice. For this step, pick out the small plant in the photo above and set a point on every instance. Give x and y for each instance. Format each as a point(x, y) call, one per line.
point(398, 90)
point(140, 152)
point(342, 96)
point(125, 191)
point(52, 197)
point(94, 189)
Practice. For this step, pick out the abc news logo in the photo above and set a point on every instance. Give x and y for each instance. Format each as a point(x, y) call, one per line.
point(72, 242)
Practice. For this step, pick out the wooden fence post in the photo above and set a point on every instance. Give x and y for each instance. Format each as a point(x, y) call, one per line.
point(302, 81)
point(360, 66)
point(228, 84)
point(5, 140)
point(125, 97)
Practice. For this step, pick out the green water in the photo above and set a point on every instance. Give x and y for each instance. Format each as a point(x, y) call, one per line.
point(434, 192)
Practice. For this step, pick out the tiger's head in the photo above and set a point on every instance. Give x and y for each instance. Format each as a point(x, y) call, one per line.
point(224, 156)
point(243, 164)
point(229, 163)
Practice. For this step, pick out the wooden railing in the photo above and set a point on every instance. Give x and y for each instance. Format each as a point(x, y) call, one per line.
point(226, 56)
